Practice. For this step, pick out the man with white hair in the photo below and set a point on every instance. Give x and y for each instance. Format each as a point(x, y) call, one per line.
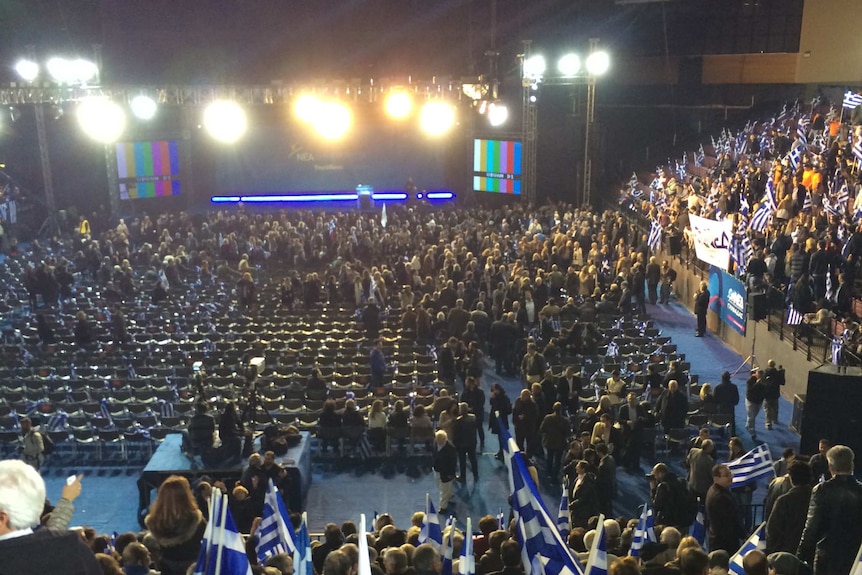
point(24, 551)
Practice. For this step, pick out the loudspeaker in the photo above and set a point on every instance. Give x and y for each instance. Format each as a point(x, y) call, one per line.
point(675, 244)
point(757, 305)
point(831, 408)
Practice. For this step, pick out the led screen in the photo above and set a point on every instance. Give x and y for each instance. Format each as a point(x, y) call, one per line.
point(148, 169)
point(497, 166)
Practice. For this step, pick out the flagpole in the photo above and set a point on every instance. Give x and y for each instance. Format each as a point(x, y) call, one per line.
point(220, 527)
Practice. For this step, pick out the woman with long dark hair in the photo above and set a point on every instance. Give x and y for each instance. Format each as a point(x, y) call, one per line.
point(177, 524)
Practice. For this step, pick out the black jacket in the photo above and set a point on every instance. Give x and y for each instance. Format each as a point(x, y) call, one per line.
point(583, 501)
point(834, 525)
point(784, 526)
point(726, 397)
point(446, 461)
point(725, 530)
point(47, 551)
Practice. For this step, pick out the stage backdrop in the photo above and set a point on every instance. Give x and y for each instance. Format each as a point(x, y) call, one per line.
point(277, 157)
point(727, 298)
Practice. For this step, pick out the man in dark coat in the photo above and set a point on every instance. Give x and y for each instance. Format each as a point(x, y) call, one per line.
point(727, 397)
point(465, 441)
point(725, 530)
point(201, 430)
point(555, 429)
point(784, 528)
point(653, 277)
point(701, 305)
point(606, 480)
point(665, 488)
point(672, 407)
point(583, 498)
point(525, 418)
point(833, 530)
point(445, 465)
point(568, 390)
point(631, 418)
point(503, 337)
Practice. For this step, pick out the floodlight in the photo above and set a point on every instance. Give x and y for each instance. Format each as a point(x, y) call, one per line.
point(143, 107)
point(65, 71)
point(399, 105)
point(569, 65)
point(307, 107)
point(101, 119)
point(225, 121)
point(333, 120)
point(437, 118)
point(27, 69)
point(598, 63)
point(534, 66)
point(497, 114)
point(83, 70)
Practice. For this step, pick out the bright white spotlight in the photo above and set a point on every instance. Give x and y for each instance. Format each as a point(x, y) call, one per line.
point(225, 121)
point(307, 108)
point(497, 114)
point(534, 66)
point(437, 118)
point(569, 65)
point(60, 69)
point(399, 105)
point(598, 63)
point(101, 119)
point(27, 69)
point(83, 70)
point(333, 121)
point(143, 107)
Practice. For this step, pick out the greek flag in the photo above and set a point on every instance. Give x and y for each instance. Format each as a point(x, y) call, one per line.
point(757, 540)
point(275, 534)
point(448, 544)
point(752, 466)
point(857, 564)
point(613, 349)
point(698, 528)
point(700, 156)
point(761, 218)
point(364, 559)
point(740, 250)
point(806, 204)
point(467, 561)
point(843, 197)
point(857, 149)
point(654, 239)
point(794, 157)
point(563, 522)
point(222, 549)
point(302, 555)
point(431, 532)
point(793, 317)
point(852, 99)
point(633, 182)
point(769, 197)
point(783, 114)
point(597, 561)
point(802, 130)
point(645, 531)
point(539, 531)
point(837, 347)
point(830, 209)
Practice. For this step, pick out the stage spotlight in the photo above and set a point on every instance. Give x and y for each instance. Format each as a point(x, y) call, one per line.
point(84, 71)
point(534, 66)
point(333, 120)
point(101, 119)
point(225, 121)
point(569, 65)
point(399, 105)
point(28, 70)
point(65, 71)
point(598, 63)
point(307, 108)
point(437, 118)
point(143, 107)
point(497, 114)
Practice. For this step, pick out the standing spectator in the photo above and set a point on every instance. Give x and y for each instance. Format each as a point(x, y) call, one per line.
point(665, 487)
point(447, 360)
point(606, 480)
point(445, 464)
point(501, 408)
point(555, 428)
point(583, 498)
point(32, 444)
point(231, 433)
point(700, 462)
point(668, 276)
point(833, 530)
point(773, 379)
point(525, 418)
point(569, 390)
point(701, 305)
point(176, 523)
point(819, 464)
point(672, 407)
point(755, 391)
point(465, 442)
point(727, 398)
point(533, 365)
point(378, 365)
point(371, 319)
point(475, 398)
point(246, 292)
point(653, 277)
point(784, 527)
point(200, 430)
point(632, 420)
point(725, 530)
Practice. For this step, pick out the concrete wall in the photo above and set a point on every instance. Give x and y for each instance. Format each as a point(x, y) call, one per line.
point(830, 49)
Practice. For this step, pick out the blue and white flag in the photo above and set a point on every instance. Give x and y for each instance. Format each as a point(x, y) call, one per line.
point(852, 99)
point(829, 208)
point(769, 198)
point(203, 555)
point(431, 531)
point(654, 238)
point(563, 520)
point(757, 540)
point(740, 251)
point(842, 198)
point(837, 348)
point(302, 564)
point(857, 149)
point(700, 156)
point(448, 545)
point(802, 131)
point(793, 317)
point(613, 349)
point(698, 528)
point(645, 531)
point(501, 520)
point(806, 204)
point(364, 567)
point(223, 553)
point(275, 533)
point(540, 534)
point(597, 561)
point(761, 218)
point(467, 561)
point(752, 466)
point(795, 157)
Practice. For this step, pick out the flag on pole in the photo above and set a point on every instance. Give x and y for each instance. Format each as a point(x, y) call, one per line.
point(597, 561)
point(645, 531)
point(501, 519)
point(793, 317)
point(843, 197)
point(857, 148)
point(806, 204)
point(740, 251)
point(654, 239)
point(563, 520)
point(852, 99)
point(802, 130)
point(302, 555)
point(698, 528)
point(837, 348)
point(757, 540)
point(203, 555)
point(770, 196)
point(752, 466)
point(467, 561)
point(761, 218)
point(700, 156)
point(275, 533)
point(224, 551)
point(430, 531)
point(364, 559)
point(383, 219)
point(448, 544)
point(795, 157)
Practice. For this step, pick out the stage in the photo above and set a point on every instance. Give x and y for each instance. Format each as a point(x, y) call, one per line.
point(169, 460)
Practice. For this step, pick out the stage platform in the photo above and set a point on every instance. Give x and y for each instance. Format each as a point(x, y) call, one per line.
point(169, 460)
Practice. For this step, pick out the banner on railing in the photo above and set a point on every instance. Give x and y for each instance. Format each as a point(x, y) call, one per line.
point(712, 240)
point(727, 298)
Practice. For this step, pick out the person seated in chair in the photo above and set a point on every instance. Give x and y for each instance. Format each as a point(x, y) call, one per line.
point(200, 432)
